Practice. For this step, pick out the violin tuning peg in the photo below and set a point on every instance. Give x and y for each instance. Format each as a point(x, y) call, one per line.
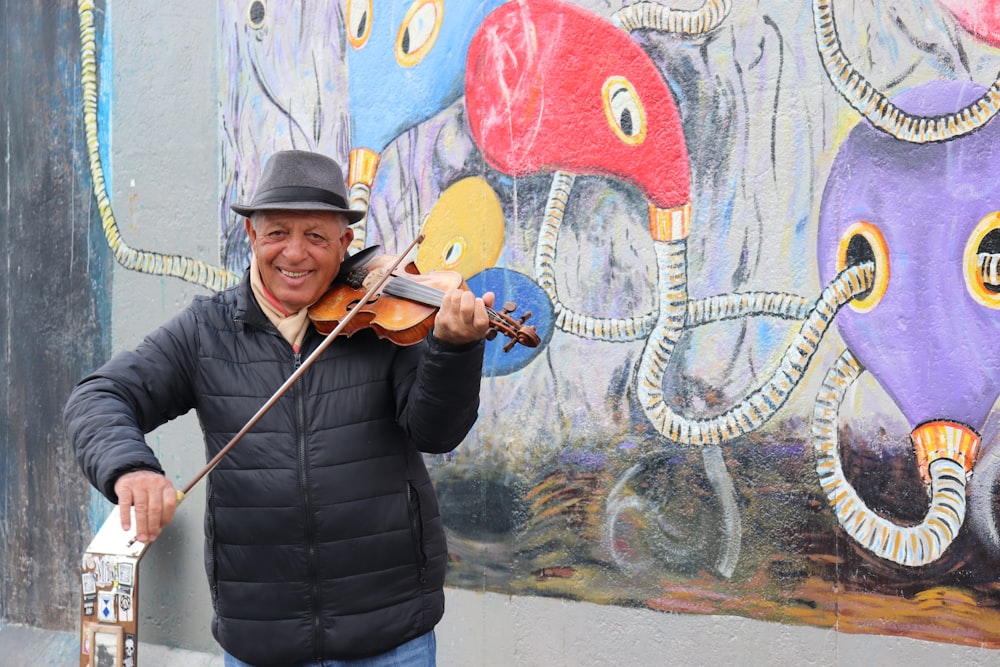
point(491, 334)
point(509, 346)
point(509, 307)
point(525, 317)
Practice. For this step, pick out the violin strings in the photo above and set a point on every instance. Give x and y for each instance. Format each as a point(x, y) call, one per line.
point(430, 296)
point(414, 291)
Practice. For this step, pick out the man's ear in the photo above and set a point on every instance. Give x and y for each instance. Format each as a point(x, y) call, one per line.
point(346, 238)
point(251, 232)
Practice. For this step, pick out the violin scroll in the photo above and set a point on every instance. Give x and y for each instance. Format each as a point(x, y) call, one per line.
point(515, 329)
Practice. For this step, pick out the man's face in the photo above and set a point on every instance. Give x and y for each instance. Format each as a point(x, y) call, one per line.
point(299, 253)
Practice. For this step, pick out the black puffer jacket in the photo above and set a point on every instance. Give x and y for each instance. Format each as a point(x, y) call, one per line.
point(323, 537)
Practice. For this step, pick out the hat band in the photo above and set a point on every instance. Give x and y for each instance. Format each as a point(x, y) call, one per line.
point(299, 193)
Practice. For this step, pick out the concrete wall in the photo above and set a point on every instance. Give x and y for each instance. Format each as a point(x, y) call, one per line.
point(582, 529)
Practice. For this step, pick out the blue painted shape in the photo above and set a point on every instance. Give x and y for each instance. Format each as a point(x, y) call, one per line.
point(387, 98)
point(510, 285)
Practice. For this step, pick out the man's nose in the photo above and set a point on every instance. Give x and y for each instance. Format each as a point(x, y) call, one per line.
point(295, 247)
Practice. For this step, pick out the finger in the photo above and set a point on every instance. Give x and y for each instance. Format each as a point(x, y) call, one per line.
point(141, 505)
point(481, 319)
point(469, 302)
point(169, 503)
point(489, 299)
point(451, 305)
point(458, 308)
point(154, 515)
point(125, 508)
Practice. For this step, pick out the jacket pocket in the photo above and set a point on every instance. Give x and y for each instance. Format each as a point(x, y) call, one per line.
point(211, 558)
point(416, 527)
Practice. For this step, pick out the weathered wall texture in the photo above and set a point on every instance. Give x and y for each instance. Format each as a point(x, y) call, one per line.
point(54, 310)
point(759, 242)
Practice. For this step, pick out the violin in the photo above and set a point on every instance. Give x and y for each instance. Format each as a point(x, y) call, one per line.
point(403, 308)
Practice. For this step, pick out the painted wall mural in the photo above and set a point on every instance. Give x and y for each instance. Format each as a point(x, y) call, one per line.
point(145, 261)
point(760, 244)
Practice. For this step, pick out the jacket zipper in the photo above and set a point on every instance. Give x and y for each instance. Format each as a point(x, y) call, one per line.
point(214, 555)
point(300, 422)
point(417, 528)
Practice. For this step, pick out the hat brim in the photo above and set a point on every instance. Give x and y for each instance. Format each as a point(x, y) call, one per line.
point(351, 214)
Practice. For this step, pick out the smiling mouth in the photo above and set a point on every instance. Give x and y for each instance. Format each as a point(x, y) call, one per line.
point(293, 274)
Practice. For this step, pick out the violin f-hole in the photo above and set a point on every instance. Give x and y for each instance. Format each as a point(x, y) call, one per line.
point(353, 303)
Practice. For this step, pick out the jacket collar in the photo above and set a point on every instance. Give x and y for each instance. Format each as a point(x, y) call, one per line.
point(248, 311)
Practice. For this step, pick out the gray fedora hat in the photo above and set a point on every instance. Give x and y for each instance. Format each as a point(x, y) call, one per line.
point(300, 181)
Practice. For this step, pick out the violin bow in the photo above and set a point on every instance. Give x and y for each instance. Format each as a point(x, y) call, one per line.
point(210, 466)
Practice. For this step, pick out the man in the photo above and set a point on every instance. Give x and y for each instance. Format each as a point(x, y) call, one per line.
point(323, 537)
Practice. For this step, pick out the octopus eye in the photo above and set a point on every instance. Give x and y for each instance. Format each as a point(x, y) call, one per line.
point(418, 31)
point(359, 22)
point(256, 14)
point(453, 252)
point(981, 262)
point(863, 242)
point(624, 110)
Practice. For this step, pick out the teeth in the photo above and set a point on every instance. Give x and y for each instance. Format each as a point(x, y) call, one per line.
point(292, 274)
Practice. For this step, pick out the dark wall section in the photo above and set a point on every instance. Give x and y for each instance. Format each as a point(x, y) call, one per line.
point(53, 306)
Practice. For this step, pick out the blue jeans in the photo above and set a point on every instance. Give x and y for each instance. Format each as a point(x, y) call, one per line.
point(419, 652)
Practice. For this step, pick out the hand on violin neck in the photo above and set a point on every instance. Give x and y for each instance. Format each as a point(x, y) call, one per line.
point(462, 317)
